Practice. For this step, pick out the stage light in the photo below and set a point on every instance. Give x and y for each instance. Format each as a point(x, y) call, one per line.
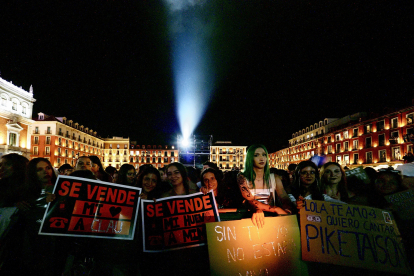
point(191, 61)
point(185, 143)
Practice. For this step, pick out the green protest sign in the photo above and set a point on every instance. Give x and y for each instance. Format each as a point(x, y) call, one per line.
point(403, 204)
point(239, 248)
point(358, 173)
point(351, 235)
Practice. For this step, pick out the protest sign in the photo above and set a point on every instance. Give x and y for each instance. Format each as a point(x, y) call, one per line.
point(358, 173)
point(351, 235)
point(177, 222)
point(91, 208)
point(239, 248)
point(403, 204)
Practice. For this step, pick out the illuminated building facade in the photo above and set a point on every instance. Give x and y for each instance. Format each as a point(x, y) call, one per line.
point(227, 156)
point(62, 141)
point(356, 140)
point(116, 152)
point(156, 155)
point(16, 108)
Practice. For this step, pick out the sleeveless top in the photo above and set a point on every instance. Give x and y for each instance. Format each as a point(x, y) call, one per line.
point(265, 196)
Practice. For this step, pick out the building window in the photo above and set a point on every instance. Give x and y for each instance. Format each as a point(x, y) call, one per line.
point(346, 159)
point(396, 154)
point(329, 139)
point(381, 140)
point(24, 110)
point(382, 156)
point(35, 151)
point(3, 101)
point(338, 148)
point(367, 128)
point(337, 137)
point(355, 132)
point(410, 148)
point(368, 141)
point(394, 122)
point(14, 106)
point(48, 130)
point(354, 144)
point(369, 157)
point(394, 138)
point(338, 159)
point(380, 125)
point(47, 150)
point(36, 140)
point(329, 149)
point(410, 118)
point(356, 158)
point(346, 146)
point(12, 139)
point(346, 134)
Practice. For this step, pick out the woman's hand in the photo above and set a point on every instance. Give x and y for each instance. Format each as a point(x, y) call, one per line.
point(300, 202)
point(204, 190)
point(258, 219)
point(50, 197)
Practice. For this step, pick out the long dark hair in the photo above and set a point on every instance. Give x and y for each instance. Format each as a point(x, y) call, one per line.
point(315, 188)
point(11, 188)
point(249, 165)
point(183, 171)
point(156, 192)
point(104, 175)
point(342, 185)
point(122, 174)
point(33, 183)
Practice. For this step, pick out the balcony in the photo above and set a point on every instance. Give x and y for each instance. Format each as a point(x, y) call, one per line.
point(46, 153)
point(36, 132)
point(60, 133)
point(48, 131)
point(67, 136)
point(35, 152)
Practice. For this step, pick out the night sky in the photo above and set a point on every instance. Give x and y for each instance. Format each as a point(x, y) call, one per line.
point(279, 66)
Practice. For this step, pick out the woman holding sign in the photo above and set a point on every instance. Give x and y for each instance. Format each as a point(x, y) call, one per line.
point(306, 185)
point(178, 178)
point(262, 190)
point(333, 179)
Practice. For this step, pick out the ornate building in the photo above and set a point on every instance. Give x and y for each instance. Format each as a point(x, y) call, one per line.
point(62, 141)
point(355, 140)
point(16, 108)
point(227, 156)
point(116, 152)
point(156, 155)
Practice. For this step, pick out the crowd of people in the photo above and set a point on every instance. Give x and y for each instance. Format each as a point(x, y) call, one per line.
point(26, 189)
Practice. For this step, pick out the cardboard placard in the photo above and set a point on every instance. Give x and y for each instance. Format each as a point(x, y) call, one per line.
point(403, 204)
point(239, 248)
point(351, 235)
point(91, 208)
point(177, 222)
point(358, 173)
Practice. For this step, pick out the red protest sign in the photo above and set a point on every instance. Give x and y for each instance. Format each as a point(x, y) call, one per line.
point(177, 222)
point(91, 208)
